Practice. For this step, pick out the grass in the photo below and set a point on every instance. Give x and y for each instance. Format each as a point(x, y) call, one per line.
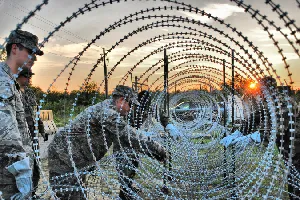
point(190, 181)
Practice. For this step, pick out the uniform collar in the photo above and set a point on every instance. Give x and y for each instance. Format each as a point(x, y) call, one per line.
point(7, 69)
point(110, 103)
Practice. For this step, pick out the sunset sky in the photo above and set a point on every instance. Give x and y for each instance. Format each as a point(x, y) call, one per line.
point(70, 40)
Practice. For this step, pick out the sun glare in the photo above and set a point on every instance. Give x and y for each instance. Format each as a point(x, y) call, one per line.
point(252, 85)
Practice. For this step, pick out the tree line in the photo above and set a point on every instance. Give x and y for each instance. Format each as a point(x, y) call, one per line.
point(61, 102)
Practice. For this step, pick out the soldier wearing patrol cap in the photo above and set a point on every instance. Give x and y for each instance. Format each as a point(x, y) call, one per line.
point(104, 124)
point(30, 107)
point(16, 156)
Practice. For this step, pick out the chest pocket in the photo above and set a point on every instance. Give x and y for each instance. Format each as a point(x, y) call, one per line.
point(6, 91)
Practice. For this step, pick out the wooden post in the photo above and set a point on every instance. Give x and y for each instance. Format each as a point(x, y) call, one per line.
point(105, 74)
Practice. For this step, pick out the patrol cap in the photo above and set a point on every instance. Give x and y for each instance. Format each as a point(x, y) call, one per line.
point(26, 39)
point(127, 92)
point(26, 72)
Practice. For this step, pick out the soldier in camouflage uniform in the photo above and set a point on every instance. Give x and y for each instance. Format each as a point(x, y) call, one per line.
point(15, 141)
point(105, 124)
point(29, 101)
point(30, 108)
point(128, 165)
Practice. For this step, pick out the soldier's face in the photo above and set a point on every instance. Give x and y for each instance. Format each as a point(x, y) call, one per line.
point(30, 62)
point(21, 54)
point(122, 106)
point(23, 81)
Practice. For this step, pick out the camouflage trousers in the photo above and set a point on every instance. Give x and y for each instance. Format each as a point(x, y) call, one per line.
point(7, 180)
point(126, 167)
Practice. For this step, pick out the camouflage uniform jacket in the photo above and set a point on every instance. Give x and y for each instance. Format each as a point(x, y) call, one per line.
point(29, 102)
point(106, 127)
point(14, 136)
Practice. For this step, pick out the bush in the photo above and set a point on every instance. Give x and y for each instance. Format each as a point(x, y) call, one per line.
point(61, 103)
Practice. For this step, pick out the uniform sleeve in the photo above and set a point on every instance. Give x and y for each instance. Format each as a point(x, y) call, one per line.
point(10, 137)
point(20, 116)
point(128, 137)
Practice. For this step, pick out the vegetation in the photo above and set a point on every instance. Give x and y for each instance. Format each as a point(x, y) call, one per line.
point(61, 103)
point(2, 55)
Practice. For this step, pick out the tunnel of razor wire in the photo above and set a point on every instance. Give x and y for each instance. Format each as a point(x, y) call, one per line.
point(196, 79)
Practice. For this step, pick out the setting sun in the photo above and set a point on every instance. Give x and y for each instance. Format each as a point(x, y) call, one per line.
point(252, 85)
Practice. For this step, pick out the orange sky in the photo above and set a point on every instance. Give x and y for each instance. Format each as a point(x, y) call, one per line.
point(70, 40)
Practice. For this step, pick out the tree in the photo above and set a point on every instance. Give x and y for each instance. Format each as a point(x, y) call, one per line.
point(37, 91)
point(88, 92)
point(241, 84)
point(3, 55)
point(297, 96)
point(90, 87)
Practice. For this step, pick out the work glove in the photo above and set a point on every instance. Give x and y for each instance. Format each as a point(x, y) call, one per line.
point(173, 131)
point(149, 134)
point(255, 137)
point(239, 140)
point(246, 140)
point(228, 140)
point(23, 175)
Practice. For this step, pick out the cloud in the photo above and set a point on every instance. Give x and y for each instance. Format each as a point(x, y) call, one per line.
point(277, 59)
point(262, 36)
point(71, 50)
point(221, 11)
point(272, 45)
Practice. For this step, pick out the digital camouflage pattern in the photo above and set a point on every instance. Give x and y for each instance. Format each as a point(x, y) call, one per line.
point(30, 108)
point(29, 102)
point(25, 38)
point(106, 127)
point(15, 139)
